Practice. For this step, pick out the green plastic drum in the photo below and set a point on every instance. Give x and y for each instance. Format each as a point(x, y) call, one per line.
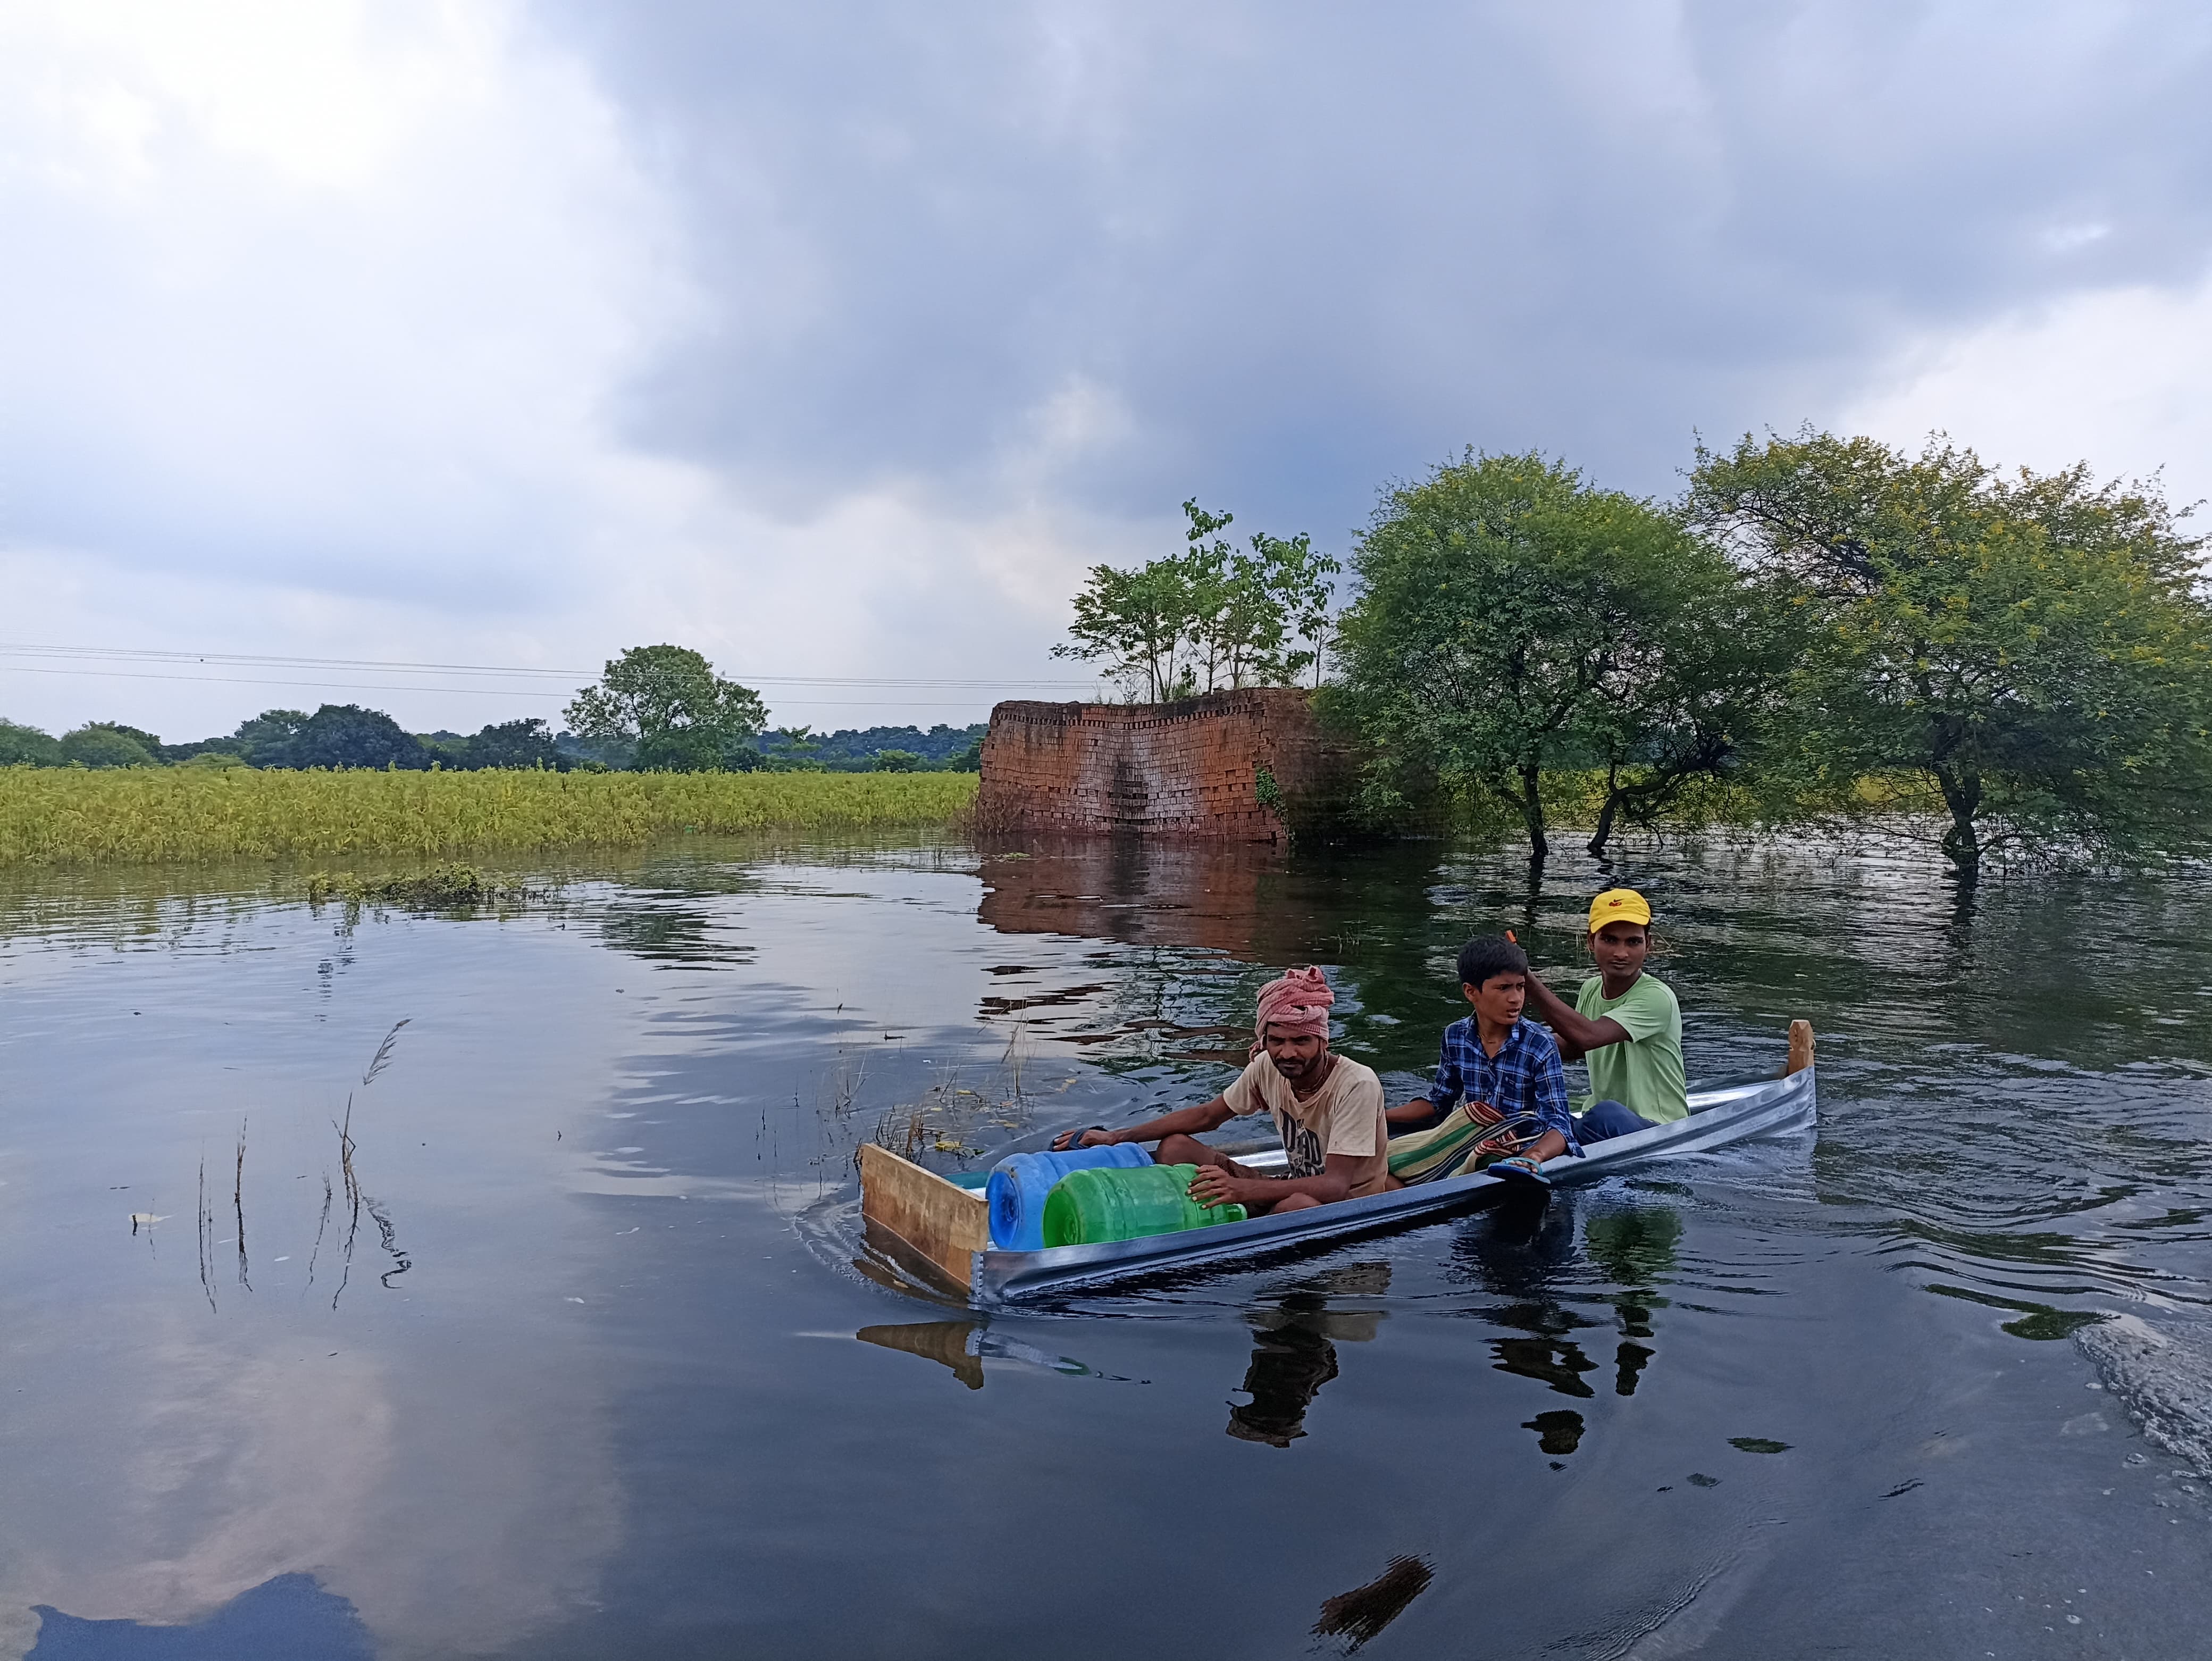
point(1088, 1207)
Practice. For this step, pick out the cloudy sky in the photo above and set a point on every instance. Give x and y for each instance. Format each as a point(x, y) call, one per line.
point(837, 340)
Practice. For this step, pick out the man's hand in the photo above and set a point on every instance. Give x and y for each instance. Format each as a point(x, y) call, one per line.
point(1213, 1186)
point(1093, 1137)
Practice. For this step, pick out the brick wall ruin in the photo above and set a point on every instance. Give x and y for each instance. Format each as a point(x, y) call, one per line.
point(1188, 768)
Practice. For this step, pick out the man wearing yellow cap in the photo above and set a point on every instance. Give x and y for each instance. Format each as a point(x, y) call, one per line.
point(1624, 1023)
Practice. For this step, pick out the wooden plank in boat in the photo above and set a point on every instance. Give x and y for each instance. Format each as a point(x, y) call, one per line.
point(939, 1222)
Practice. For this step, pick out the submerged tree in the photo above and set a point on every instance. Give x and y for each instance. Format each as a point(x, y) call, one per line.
point(668, 701)
point(2027, 659)
point(1516, 621)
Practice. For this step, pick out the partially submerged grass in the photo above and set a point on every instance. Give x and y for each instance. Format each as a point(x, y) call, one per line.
point(74, 816)
point(441, 885)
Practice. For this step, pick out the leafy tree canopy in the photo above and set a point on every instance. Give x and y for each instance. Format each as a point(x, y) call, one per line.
point(526, 743)
point(343, 735)
point(1514, 620)
point(105, 746)
point(1210, 617)
point(669, 703)
point(27, 746)
point(2032, 650)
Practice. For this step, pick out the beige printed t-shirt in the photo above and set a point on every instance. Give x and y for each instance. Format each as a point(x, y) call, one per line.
point(1345, 1116)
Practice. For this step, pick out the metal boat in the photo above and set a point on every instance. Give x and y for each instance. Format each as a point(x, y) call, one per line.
point(945, 1226)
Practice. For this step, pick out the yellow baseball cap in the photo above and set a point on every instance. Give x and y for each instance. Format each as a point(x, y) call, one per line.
point(1619, 905)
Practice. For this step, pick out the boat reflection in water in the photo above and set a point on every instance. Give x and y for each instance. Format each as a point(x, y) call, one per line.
point(1294, 1353)
point(962, 1347)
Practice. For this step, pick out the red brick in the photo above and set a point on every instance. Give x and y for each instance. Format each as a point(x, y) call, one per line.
point(1188, 768)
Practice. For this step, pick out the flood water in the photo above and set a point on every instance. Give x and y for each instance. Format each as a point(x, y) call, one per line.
point(572, 1347)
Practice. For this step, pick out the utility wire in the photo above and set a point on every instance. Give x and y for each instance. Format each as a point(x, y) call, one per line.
point(124, 654)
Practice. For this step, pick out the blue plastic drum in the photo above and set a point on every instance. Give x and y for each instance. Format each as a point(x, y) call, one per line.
point(1019, 1182)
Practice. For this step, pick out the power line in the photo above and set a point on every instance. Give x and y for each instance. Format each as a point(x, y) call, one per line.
point(374, 665)
point(475, 692)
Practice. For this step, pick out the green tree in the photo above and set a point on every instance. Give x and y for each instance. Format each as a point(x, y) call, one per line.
point(1137, 622)
point(344, 735)
point(103, 746)
point(2029, 654)
point(796, 750)
point(668, 701)
point(1298, 583)
point(895, 761)
point(1514, 621)
point(516, 744)
point(1209, 619)
point(263, 739)
point(27, 746)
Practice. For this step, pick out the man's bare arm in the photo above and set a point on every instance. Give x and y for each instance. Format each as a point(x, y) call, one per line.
point(1185, 1120)
point(1577, 1034)
point(1420, 1112)
point(1214, 1186)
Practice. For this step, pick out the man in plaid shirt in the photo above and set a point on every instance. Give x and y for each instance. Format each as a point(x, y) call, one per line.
point(1508, 1069)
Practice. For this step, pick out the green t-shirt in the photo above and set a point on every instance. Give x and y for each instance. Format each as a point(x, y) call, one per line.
point(1644, 1074)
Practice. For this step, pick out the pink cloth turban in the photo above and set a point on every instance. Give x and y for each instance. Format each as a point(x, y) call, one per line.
point(1296, 1007)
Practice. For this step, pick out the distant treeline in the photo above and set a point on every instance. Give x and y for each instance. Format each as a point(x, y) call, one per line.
point(348, 735)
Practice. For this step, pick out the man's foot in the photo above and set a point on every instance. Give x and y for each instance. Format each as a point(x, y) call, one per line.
point(1519, 1168)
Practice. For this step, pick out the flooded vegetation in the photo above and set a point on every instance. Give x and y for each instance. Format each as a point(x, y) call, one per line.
point(137, 815)
point(407, 1281)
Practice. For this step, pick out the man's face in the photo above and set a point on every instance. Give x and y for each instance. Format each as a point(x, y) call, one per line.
point(1296, 1058)
point(1498, 999)
point(1619, 949)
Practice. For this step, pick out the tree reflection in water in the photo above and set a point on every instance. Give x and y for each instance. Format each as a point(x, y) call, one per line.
point(1294, 1353)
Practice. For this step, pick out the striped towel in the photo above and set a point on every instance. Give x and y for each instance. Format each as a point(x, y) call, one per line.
point(1458, 1144)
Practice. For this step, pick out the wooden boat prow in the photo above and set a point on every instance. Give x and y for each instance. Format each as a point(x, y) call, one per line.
point(946, 1227)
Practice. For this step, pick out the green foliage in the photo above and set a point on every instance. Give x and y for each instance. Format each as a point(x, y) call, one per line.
point(440, 886)
point(262, 740)
point(70, 816)
point(969, 760)
point(348, 735)
point(796, 751)
point(524, 743)
point(2032, 650)
point(1208, 618)
point(138, 735)
point(1515, 622)
point(27, 746)
point(670, 703)
point(896, 761)
point(103, 746)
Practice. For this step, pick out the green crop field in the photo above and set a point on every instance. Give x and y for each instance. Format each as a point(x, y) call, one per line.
point(71, 816)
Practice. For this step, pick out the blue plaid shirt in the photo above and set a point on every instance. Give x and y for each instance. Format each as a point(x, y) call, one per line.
point(1524, 1076)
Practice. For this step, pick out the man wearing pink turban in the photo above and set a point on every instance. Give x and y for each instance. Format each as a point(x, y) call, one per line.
point(1328, 1109)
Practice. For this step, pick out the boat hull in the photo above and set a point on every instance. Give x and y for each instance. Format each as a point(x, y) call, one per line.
point(1720, 1116)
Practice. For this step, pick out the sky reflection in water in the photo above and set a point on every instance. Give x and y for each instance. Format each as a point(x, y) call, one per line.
point(610, 1371)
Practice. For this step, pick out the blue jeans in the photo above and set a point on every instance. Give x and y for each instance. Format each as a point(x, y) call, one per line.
point(1606, 1120)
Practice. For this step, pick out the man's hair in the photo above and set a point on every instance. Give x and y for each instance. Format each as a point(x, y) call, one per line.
point(1492, 954)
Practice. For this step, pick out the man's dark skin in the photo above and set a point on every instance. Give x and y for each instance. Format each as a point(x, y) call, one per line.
point(1305, 1063)
point(1498, 1003)
point(1619, 949)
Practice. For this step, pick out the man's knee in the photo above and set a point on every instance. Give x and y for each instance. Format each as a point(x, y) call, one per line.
point(1608, 1119)
point(1292, 1202)
point(1180, 1149)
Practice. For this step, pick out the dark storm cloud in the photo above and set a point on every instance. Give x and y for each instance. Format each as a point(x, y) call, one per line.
point(1304, 249)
